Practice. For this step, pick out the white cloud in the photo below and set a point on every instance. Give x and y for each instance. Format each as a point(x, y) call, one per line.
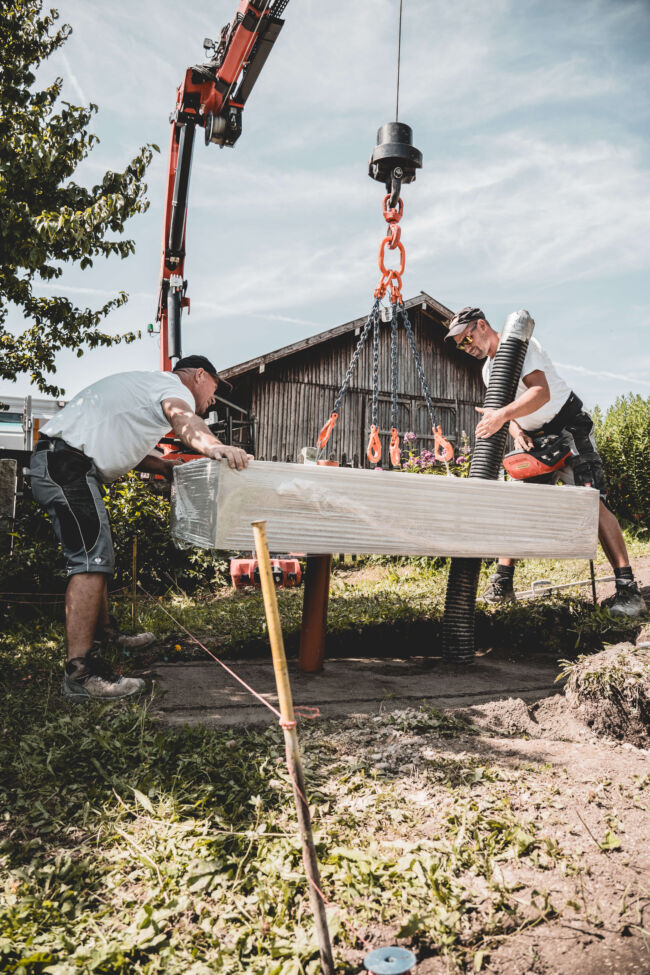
point(74, 81)
point(603, 374)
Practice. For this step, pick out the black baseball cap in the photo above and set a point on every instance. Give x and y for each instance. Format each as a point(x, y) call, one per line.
point(200, 362)
point(462, 319)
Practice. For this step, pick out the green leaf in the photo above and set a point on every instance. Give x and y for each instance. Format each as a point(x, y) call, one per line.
point(611, 841)
point(143, 800)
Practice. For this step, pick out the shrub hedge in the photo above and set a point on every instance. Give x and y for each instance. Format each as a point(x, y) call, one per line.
point(623, 438)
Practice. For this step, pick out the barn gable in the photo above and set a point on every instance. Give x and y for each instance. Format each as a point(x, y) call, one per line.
point(291, 391)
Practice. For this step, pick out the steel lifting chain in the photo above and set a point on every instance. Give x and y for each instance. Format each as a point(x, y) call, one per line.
point(442, 449)
point(394, 448)
point(390, 281)
point(325, 433)
point(374, 443)
point(391, 278)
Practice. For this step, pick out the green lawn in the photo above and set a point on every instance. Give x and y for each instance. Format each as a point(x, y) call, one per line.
point(127, 847)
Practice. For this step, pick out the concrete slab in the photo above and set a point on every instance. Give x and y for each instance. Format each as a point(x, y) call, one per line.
point(204, 694)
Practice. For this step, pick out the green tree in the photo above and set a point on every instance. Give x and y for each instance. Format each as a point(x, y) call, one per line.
point(46, 219)
point(623, 439)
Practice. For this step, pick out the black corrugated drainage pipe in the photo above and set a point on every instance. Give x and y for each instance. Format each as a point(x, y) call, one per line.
point(460, 603)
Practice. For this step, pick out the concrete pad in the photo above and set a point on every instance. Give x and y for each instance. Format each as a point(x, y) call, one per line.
point(204, 694)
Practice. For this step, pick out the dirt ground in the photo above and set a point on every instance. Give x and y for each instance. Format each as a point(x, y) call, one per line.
point(587, 795)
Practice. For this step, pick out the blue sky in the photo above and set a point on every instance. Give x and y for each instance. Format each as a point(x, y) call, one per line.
point(535, 192)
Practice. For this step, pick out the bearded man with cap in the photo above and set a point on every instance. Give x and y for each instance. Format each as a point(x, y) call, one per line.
point(107, 429)
point(545, 405)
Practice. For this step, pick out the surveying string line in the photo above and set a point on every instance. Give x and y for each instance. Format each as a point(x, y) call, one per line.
point(302, 711)
point(299, 711)
point(210, 654)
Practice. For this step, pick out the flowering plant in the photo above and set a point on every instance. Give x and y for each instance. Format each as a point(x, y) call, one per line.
point(424, 460)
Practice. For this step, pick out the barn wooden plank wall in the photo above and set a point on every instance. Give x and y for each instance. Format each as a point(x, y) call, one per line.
point(293, 396)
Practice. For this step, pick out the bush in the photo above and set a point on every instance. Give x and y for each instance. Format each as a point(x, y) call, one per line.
point(623, 439)
point(136, 509)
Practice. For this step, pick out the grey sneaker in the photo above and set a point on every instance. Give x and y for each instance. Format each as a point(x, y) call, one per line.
point(500, 590)
point(125, 641)
point(628, 601)
point(90, 677)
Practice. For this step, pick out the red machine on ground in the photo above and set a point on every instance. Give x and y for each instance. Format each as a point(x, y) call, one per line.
point(246, 572)
point(212, 96)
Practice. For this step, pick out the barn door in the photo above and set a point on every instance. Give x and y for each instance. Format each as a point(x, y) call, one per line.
point(446, 416)
point(404, 424)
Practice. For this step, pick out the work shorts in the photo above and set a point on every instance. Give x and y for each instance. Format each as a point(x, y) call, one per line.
point(66, 483)
point(584, 468)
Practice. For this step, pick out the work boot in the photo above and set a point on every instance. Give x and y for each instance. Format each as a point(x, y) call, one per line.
point(125, 641)
point(628, 601)
point(500, 590)
point(91, 677)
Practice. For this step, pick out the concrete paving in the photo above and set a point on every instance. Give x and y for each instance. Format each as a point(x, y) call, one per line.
point(204, 694)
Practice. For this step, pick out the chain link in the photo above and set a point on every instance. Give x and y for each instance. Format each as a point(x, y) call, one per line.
point(372, 317)
point(394, 365)
point(418, 362)
point(375, 372)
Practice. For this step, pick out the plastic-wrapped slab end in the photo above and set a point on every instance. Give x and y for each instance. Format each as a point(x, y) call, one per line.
point(193, 522)
point(320, 510)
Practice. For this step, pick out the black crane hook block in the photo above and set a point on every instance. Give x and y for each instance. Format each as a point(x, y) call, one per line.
point(394, 159)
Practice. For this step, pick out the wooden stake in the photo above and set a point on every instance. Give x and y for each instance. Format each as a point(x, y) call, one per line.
point(291, 745)
point(593, 582)
point(134, 576)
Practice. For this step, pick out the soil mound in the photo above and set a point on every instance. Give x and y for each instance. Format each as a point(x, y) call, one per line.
point(549, 718)
point(610, 692)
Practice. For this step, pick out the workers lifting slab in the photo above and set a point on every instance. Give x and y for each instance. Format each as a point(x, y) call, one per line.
point(114, 425)
point(212, 96)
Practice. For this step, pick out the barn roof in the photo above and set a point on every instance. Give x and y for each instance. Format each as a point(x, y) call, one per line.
point(423, 300)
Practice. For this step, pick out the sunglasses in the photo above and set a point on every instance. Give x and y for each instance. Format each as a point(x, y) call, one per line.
point(467, 340)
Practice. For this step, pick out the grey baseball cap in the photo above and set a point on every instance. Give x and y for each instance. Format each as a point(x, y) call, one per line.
point(462, 319)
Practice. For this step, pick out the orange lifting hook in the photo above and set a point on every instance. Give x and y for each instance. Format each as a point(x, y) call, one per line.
point(442, 449)
point(324, 435)
point(374, 446)
point(394, 450)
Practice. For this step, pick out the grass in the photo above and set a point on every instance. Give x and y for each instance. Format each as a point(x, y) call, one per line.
point(398, 603)
point(128, 847)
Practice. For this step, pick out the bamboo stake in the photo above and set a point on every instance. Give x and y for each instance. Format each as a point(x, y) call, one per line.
point(134, 576)
point(291, 745)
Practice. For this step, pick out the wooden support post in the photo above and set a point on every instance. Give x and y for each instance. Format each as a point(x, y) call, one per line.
point(291, 745)
point(314, 613)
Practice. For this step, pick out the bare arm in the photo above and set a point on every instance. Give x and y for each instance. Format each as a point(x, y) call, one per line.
point(195, 433)
point(521, 439)
point(536, 395)
point(156, 464)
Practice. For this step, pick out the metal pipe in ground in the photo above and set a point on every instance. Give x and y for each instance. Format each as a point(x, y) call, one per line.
point(294, 762)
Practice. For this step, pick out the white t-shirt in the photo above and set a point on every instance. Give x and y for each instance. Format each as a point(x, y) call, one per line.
point(119, 420)
point(534, 359)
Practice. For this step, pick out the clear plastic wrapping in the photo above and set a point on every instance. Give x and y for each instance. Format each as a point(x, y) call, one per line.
point(318, 510)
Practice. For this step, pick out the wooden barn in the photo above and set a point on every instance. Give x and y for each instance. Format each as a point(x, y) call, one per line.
point(281, 400)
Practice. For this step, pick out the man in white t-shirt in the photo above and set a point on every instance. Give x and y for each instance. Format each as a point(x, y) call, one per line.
point(107, 429)
point(545, 405)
